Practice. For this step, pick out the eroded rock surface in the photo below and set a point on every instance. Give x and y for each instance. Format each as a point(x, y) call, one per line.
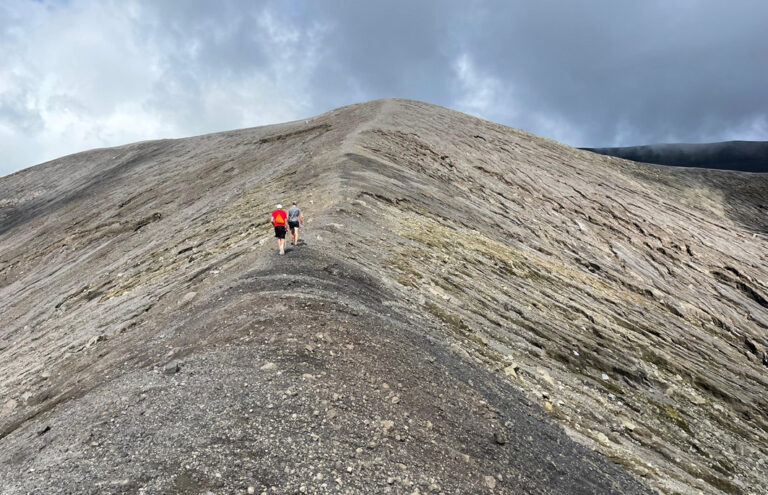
point(469, 296)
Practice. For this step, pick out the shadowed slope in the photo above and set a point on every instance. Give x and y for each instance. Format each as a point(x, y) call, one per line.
point(440, 249)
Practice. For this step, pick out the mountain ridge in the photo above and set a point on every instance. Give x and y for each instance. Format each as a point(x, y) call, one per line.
point(501, 259)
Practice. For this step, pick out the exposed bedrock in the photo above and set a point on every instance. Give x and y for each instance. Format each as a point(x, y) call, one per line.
point(475, 309)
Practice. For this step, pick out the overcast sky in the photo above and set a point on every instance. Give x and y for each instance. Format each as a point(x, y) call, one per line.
point(81, 74)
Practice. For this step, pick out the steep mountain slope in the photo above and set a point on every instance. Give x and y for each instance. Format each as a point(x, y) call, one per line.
point(464, 288)
point(746, 156)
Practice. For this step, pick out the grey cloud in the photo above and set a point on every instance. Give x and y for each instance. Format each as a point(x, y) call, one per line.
point(213, 39)
point(598, 73)
point(203, 45)
point(628, 73)
point(613, 73)
point(16, 113)
point(383, 49)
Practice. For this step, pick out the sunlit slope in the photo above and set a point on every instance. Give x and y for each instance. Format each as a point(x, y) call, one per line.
point(450, 263)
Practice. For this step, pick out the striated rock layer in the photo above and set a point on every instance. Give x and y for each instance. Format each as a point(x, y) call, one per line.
point(475, 310)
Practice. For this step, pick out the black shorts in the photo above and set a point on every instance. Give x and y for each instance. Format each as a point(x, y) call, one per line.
point(280, 231)
point(293, 225)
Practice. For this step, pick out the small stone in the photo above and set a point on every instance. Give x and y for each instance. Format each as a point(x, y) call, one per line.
point(9, 406)
point(628, 425)
point(490, 482)
point(269, 366)
point(511, 370)
point(387, 425)
point(332, 413)
point(172, 367)
point(546, 376)
point(548, 406)
point(390, 481)
point(499, 437)
point(602, 438)
point(95, 340)
point(251, 490)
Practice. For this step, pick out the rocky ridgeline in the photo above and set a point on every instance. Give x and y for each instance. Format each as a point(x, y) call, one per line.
point(475, 310)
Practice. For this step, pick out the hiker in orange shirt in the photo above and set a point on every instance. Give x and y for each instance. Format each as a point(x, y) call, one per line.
point(278, 219)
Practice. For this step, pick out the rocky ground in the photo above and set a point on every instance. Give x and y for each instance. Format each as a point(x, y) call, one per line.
point(475, 310)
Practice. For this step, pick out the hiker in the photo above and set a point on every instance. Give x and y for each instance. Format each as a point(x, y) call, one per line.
point(278, 219)
point(295, 220)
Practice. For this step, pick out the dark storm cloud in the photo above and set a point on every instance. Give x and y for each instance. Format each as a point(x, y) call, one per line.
point(601, 72)
point(81, 73)
point(634, 72)
point(396, 48)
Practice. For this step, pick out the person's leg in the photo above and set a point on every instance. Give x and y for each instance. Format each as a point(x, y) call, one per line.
point(280, 234)
point(296, 236)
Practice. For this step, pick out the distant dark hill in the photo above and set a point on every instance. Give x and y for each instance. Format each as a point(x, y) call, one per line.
point(745, 156)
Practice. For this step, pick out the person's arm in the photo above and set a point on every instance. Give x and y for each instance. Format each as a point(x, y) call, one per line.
point(301, 220)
